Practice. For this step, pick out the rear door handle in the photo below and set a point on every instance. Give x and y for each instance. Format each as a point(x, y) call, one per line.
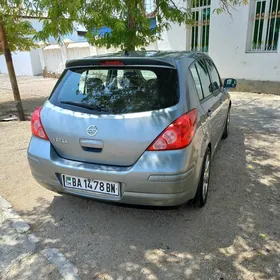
point(90, 143)
point(209, 113)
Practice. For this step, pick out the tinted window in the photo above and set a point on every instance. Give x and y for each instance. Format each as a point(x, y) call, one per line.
point(204, 77)
point(117, 91)
point(216, 81)
point(197, 81)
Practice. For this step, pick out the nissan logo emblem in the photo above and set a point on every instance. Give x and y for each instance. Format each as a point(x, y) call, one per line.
point(92, 130)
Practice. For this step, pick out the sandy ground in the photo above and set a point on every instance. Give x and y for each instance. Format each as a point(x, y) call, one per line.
point(33, 90)
point(235, 236)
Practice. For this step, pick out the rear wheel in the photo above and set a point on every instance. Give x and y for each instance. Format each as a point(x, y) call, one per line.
point(203, 187)
point(226, 129)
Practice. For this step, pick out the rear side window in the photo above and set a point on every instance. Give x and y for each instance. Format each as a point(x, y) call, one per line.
point(204, 77)
point(197, 81)
point(117, 90)
point(215, 77)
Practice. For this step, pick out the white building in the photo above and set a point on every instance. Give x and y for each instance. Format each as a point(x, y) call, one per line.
point(29, 63)
point(245, 45)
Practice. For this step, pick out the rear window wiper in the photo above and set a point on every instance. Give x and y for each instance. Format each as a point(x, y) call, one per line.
point(82, 105)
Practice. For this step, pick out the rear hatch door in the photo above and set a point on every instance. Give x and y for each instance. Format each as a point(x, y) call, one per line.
point(110, 113)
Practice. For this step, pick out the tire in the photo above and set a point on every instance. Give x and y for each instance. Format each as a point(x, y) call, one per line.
point(203, 186)
point(226, 129)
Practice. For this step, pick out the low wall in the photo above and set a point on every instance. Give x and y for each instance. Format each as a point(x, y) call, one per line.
point(258, 86)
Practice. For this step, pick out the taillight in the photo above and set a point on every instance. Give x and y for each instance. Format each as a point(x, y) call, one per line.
point(36, 125)
point(178, 135)
point(110, 63)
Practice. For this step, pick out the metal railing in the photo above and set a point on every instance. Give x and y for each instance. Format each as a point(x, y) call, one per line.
point(201, 25)
point(265, 26)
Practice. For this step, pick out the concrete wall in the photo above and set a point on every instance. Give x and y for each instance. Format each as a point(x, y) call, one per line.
point(35, 62)
point(53, 60)
point(22, 64)
point(25, 63)
point(3, 68)
point(227, 47)
point(256, 72)
point(174, 38)
point(78, 52)
point(54, 57)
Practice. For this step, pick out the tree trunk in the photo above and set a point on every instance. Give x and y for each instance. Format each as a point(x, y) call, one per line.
point(131, 24)
point(11, 70)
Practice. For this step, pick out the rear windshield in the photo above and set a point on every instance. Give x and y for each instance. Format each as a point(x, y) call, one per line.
point(116, 91)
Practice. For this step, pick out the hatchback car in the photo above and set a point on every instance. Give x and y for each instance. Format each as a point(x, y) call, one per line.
point(139, 128)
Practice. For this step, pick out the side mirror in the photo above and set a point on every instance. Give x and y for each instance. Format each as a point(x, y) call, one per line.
point(230, 83)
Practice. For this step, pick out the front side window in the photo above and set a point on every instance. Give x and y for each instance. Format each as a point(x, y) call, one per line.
point(215, 77)
point(117, 91)
point(263, 32)
point(204, 77)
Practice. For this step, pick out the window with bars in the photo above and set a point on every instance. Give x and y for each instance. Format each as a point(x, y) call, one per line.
point(201, 25)
point(264, 26)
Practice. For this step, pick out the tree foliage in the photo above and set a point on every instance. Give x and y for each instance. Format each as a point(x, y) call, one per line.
point(19, 31)
point(127, 20)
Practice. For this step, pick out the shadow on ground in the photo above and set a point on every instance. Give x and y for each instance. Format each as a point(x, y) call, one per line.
point(29, 105)
point(235, 236)
point(19, 260)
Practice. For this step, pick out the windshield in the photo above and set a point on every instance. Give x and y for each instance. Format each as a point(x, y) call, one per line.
point(117, 91)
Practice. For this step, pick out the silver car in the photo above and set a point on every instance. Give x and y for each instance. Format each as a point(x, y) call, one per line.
point(138, 128)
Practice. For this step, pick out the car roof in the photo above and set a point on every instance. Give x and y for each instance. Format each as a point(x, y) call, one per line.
point(160, 58)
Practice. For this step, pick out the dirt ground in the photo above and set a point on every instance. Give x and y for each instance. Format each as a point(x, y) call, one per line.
point(235, 236)
point(33, 90)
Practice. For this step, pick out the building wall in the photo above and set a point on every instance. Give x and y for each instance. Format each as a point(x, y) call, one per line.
point(35, 62)
point(54, 62)
point(22, 64)
point(28, 63)
point(174, 38)
point(73, 53)
point(227, 47)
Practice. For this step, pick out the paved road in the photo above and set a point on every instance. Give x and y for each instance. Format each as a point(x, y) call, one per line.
point(236, 236)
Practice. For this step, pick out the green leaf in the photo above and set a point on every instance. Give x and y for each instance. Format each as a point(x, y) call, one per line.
point(263, 235)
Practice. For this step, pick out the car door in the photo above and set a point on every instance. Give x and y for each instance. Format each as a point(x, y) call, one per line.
point(218, 92)
point(209, 103)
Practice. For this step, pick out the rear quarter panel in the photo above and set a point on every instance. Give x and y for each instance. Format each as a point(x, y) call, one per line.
point(190, 100)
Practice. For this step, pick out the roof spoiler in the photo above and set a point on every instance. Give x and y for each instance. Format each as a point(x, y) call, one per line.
point(125, 61)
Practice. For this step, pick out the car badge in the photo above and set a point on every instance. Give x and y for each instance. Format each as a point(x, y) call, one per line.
point(92, 130)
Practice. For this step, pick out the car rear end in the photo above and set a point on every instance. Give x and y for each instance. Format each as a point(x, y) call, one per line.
point(117, 129)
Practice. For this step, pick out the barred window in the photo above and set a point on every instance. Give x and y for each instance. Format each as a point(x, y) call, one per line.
point(264, 26)
point(201, 25)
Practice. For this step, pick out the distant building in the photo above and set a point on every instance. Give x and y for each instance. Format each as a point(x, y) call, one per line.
point(28, 63)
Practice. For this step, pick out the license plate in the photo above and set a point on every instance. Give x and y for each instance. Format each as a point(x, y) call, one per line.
point(92, 185)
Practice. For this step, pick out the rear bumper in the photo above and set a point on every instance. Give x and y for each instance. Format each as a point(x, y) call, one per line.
point(156, 179)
